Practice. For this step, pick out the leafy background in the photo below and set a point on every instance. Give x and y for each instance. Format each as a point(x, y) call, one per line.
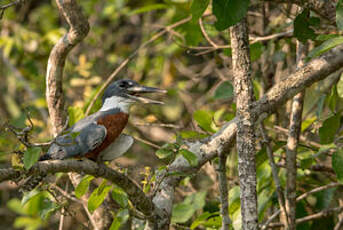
point(198, 103)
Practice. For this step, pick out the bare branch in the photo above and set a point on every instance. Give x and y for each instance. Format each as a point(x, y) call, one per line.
point(292, 144)
point(223, 190)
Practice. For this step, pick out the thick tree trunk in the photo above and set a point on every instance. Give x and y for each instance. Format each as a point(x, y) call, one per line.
point(245, 128)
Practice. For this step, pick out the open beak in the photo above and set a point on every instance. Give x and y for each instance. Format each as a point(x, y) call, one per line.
point(135, 91)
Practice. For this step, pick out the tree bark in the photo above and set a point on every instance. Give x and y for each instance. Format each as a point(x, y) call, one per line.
point(292, 144)
point(245, 127)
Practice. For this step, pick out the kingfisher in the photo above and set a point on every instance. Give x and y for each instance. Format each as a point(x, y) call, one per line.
point(99, 136)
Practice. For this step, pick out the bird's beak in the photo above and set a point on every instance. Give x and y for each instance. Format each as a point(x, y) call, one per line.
point(135, 91)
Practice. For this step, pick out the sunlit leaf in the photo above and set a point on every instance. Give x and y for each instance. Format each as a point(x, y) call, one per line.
point(340, 87)
point(325, 46)
point(83, 186)
point(75, 114)
point(29, 195)
point(148, 8)
point(98, 196)
point(120, 196)
point(204, 119)
point(189, 156)
point(229, 12)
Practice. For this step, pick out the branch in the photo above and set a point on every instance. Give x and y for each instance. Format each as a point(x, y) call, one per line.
point(245, 139)
point(325, 9)
point(208, 148)
point(79, 28)
point(292, 145)
point(136, 195)
point(299, 198)
point(322, 214)
point(224, 194)
point(4, 7)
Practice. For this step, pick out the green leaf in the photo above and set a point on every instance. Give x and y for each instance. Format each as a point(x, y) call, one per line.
point(120, 219)
point(325, 46)
point(83, 186)
point(167, 150)
point(190, 134)
point(224, 91)
point(48, 208)
point(198, 8)
point(340, 87)
point(256, 51)
point(28, 195)
point(337, 164)
point(204, 119)
point(148, 8)
point(203, 219)
point(75, 114)
point(31, 156)
point(229, 12)
point(193, 33)
point(182, 213)
point(120, 196)
point(190, 157)
point(328, 130)
point(302, 29)
point(28, 223)
point(339, 14)
point(98, 196)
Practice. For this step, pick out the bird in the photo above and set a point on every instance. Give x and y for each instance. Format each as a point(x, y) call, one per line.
point(99, 137)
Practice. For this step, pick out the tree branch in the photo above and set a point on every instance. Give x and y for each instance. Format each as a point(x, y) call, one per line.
point(292, 145)
point(324, 8)
point(135, 194)
point(208, 148)
point(79, 28)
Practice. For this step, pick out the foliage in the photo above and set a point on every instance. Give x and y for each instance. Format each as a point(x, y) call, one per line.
point(199, 102)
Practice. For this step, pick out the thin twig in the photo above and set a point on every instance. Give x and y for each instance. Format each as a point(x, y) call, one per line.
point(224, 194)
point(276, 178)
point(147, 142)
point(4, 7)
point(203, 31)
point(299, 198)
point(60, 227)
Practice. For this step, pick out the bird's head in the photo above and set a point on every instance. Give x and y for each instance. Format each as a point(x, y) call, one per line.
point(123, 93)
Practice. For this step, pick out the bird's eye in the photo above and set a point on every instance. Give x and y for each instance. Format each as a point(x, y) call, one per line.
point(123, 84)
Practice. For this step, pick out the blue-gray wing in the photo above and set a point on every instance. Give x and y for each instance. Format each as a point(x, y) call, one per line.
point(77, 142)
